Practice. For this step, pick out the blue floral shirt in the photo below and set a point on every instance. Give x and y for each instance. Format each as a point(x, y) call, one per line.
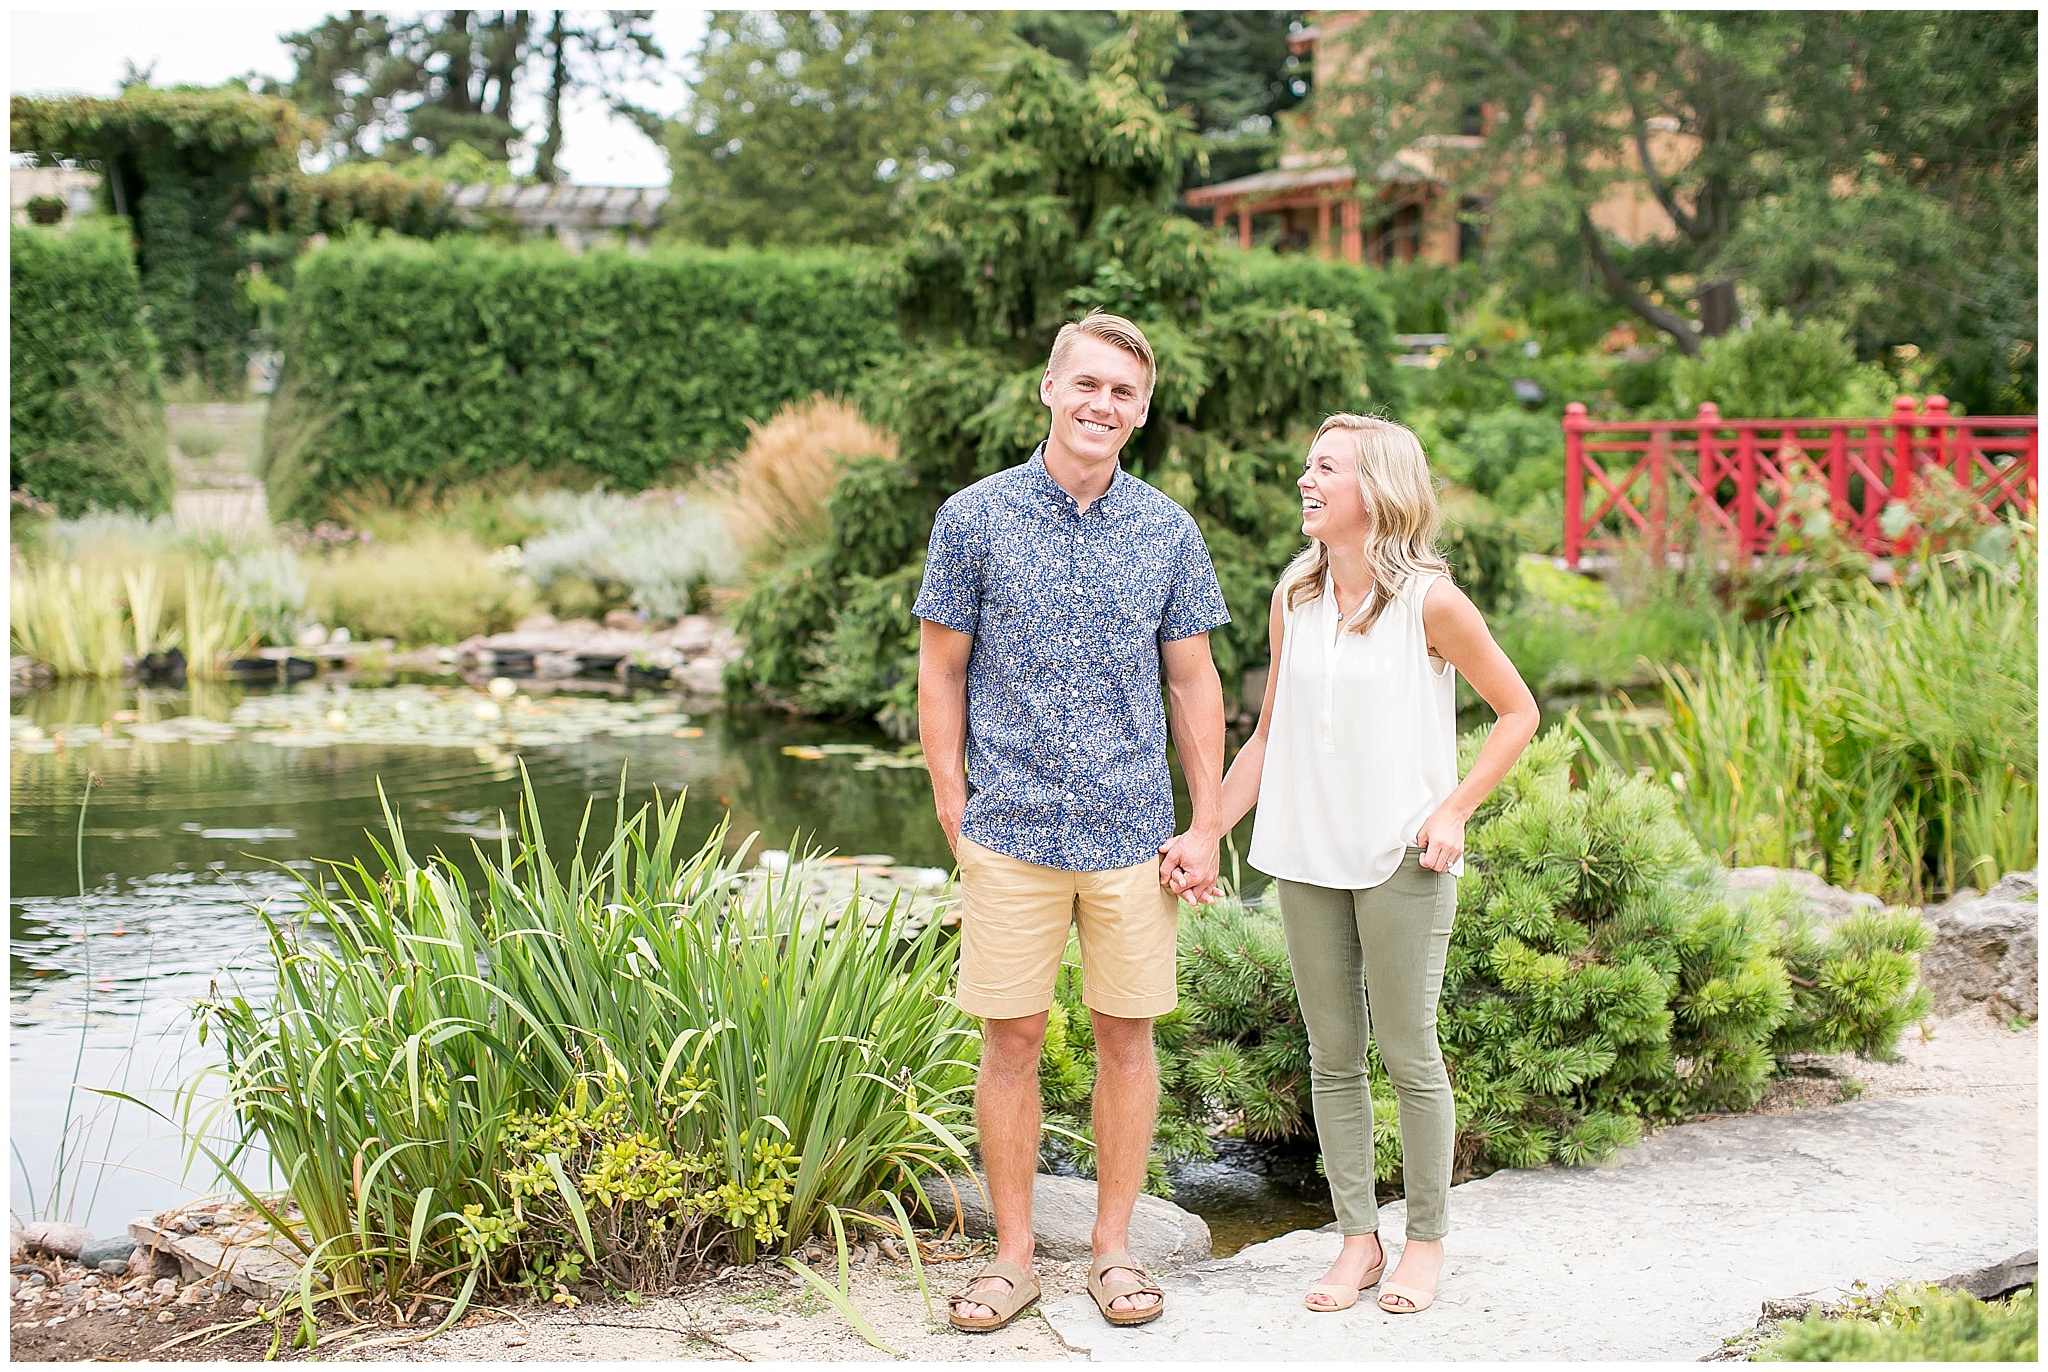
point(1066, 730)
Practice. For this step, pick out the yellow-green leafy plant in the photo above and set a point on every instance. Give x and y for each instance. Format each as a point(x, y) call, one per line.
point(68, 617)
point(467, 1088)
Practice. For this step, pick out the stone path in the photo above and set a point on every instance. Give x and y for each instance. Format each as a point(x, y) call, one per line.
point(1661, 1254)
point(215, 463)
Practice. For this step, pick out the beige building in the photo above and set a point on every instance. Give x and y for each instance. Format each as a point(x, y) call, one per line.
point(1409, 208)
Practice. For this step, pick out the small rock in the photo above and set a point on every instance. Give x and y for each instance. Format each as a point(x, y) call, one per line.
point(1790, 1308)
point(13, 1285)
point(621, 619)
point(250, 1307)
point(193, 1294)
point(704, 676)
point(515, 1341)
point(59, 1240)
point(114, 1267)
point(115, 1248)
point(163, 1286)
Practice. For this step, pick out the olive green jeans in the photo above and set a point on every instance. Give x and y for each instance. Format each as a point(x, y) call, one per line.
point(1382, 947)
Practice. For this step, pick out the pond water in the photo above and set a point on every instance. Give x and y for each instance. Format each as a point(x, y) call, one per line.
point(212, 799)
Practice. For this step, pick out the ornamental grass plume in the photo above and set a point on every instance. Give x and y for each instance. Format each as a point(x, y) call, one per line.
point(774, 492)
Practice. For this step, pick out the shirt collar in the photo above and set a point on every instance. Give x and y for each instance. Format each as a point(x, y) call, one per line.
point(1042, 481)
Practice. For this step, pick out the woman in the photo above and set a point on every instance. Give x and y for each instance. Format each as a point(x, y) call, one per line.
point(1362, 820)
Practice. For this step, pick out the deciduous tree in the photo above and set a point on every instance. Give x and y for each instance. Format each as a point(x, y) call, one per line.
point(1879, 166)
point(812, 126)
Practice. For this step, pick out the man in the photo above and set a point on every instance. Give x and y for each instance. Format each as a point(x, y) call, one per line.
point(1055, 595)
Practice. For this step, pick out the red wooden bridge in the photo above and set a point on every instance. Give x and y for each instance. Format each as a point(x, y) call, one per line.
point(1627, 480)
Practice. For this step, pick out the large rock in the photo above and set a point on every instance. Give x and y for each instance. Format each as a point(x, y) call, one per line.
point(1063, 1218)
point(1986, 949)
point(58, 1240)
point(1829, 904)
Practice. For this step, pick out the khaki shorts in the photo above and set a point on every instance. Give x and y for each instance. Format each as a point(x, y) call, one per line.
point(1014, 920)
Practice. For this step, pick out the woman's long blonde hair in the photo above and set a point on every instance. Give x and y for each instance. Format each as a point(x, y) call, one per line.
point(1401, 514)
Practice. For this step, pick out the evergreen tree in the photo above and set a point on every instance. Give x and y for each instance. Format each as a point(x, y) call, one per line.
point(1068, 206)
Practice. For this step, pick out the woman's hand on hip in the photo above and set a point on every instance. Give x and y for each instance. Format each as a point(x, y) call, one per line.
point(1442, 839)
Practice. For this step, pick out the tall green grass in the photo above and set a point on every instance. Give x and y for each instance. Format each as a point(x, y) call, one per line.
point(418, 1028)
point(1889, 742)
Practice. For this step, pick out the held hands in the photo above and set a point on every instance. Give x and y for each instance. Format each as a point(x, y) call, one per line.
point(1442, 839)
point(1188, 866)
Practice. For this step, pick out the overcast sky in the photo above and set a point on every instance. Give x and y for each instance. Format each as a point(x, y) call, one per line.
point(86, 50)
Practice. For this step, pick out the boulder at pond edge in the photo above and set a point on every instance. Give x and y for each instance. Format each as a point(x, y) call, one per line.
point(1987, 949)
point(1063, 1218)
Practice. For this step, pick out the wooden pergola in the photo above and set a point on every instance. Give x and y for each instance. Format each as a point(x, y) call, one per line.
point(1331, 191)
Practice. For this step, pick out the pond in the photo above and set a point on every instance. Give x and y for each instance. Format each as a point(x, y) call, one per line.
point(212, 799)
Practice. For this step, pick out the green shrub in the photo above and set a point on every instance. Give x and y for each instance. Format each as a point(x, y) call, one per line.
point(1360, 294)
point(1780, 369)
point(438, 364)
point(1594, 984)
point(654, 551)
point(84, 404)
point(1917, 1324)
point(829, 629)
point(608, 1063)
point(434, 588)
point(188, 159)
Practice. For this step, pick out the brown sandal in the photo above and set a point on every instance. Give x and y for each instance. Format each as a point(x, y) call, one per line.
point(1007, 1304)
point(1105, 1292)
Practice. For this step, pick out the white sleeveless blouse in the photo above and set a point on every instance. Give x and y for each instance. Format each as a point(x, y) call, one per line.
point(1363, 746)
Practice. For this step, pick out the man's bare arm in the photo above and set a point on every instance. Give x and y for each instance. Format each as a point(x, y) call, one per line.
point(1195, 693)
point(942, 719)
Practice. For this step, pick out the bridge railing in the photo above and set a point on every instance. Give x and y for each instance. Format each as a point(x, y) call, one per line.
point(1630, 480)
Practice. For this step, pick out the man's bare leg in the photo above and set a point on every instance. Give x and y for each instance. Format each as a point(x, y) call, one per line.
point(1006, 1114)
point(1126, 1106)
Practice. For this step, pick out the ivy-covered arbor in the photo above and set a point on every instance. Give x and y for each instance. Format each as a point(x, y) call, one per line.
point(1069, 207)
point(180, 165)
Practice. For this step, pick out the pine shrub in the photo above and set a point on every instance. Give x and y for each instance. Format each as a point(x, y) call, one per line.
point(1917, 1324)
point(1597, 981)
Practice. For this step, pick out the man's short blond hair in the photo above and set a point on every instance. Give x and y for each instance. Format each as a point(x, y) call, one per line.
point(1110, 328)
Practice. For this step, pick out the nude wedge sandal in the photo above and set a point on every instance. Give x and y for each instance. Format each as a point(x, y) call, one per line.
point(1343, 1296)
point(1418, 1299)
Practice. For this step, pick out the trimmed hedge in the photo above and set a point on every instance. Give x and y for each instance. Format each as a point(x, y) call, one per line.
point(421, 366)
point(86, 411)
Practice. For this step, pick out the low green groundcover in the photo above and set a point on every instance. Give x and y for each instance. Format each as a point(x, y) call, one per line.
point(1917, 1324)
